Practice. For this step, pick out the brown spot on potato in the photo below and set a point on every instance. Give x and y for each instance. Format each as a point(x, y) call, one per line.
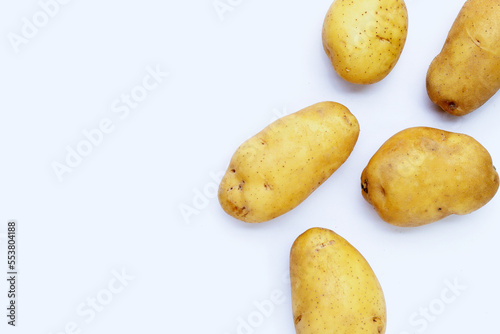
point(297, 319)
point(241, 212)
point(451, 105)
point(364, 186)
point(380, 38)
point(324, 244)
point(380, 327)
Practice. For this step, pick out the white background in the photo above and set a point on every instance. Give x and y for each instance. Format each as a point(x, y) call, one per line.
point(120, 209)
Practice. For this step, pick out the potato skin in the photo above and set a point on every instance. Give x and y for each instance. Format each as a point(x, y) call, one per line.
point(334, 289)
point(466, 73)
point(365, 38)
point(275, 170)
point(421, 175)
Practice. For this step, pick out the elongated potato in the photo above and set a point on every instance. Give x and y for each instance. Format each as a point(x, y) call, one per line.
point(365, 38)
point(466, 73)
point(421, 175)
point(334, 289)
point(275, 170)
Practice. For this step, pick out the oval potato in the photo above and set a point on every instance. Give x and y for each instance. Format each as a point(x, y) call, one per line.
point(365, 38)
point(275, 170)
point(466, 73)
point(334, 289)
point(421, 175)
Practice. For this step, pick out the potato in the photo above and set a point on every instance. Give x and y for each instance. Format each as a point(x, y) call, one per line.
point(466, 73)
point(365, 38)
point(334, 289)
point(275, 170)
point(421, 175)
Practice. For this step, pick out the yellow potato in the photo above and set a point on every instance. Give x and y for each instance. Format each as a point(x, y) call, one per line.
point(334, 289)
point(364, 38)
point(275, 170)
point(466, 73)
point(421, 175)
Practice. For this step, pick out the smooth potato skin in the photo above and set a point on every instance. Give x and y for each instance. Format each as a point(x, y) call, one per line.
point(421, 175)
point(365, 38)
point(334, 289)
point(466, 73)
point(275, 170)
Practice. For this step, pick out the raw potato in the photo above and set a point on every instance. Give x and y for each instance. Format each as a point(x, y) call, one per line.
point(278, 168)
point(334, 289)
point(365, 38)
point(467, 71)
point(421, 175)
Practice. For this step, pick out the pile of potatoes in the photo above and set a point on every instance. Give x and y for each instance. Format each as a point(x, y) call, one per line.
point(418, 176)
